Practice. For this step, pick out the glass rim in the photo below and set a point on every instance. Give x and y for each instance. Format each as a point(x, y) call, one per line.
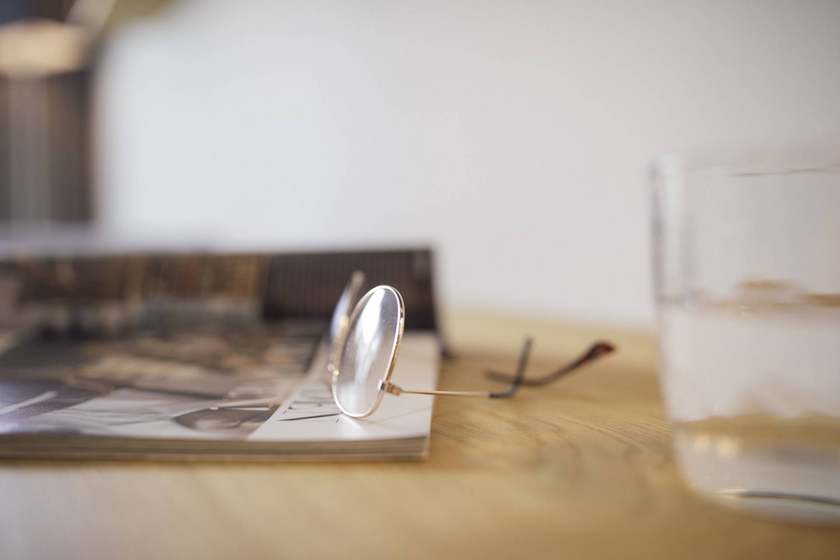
point(756, 159)
point(392, 360)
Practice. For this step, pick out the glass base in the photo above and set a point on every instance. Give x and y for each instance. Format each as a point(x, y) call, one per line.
point(810, 510)
point(784, 484)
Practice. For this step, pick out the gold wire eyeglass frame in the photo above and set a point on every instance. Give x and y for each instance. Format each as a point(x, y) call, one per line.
point(342, 323)
point(385, 385)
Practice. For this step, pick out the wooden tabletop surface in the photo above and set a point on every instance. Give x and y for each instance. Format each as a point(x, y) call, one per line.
point(581, 469)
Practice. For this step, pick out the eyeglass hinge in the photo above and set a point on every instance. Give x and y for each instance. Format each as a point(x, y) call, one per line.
point(389, 387)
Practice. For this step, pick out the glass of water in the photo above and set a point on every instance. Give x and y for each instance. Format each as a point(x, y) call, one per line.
point(747, 273)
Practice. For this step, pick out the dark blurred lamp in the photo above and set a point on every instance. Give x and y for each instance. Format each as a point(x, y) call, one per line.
point(36, 47)
point(45, 48)
point(41, 37)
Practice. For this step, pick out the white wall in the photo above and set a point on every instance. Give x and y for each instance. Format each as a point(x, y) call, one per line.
point(515, 136)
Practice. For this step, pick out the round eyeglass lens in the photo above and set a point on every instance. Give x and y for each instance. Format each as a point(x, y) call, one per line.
point(368, 350)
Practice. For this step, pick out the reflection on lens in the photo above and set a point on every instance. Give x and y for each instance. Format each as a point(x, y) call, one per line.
point(341, 314)
point(368, 351)
point(348, 299)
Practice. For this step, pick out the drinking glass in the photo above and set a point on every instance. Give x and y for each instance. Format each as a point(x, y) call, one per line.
point(747, 281)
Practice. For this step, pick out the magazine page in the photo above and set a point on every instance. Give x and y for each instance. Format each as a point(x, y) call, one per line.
point(200, 385)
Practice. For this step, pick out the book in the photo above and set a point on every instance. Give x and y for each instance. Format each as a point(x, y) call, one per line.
point(199, 356)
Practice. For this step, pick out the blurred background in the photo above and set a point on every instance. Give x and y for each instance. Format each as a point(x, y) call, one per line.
point(513, 137)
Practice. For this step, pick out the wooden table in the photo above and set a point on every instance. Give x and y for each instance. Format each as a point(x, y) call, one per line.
point(582, 469)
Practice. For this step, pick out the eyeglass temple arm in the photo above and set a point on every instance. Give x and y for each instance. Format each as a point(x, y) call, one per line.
point(597, 350)
point(515, 383)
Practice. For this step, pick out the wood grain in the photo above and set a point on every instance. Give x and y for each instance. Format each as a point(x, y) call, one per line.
point(581, 469)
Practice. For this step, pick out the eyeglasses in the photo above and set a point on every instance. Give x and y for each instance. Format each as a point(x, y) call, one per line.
point(365, 345)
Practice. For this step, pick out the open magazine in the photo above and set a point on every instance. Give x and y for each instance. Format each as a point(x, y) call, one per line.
point(182, 357)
